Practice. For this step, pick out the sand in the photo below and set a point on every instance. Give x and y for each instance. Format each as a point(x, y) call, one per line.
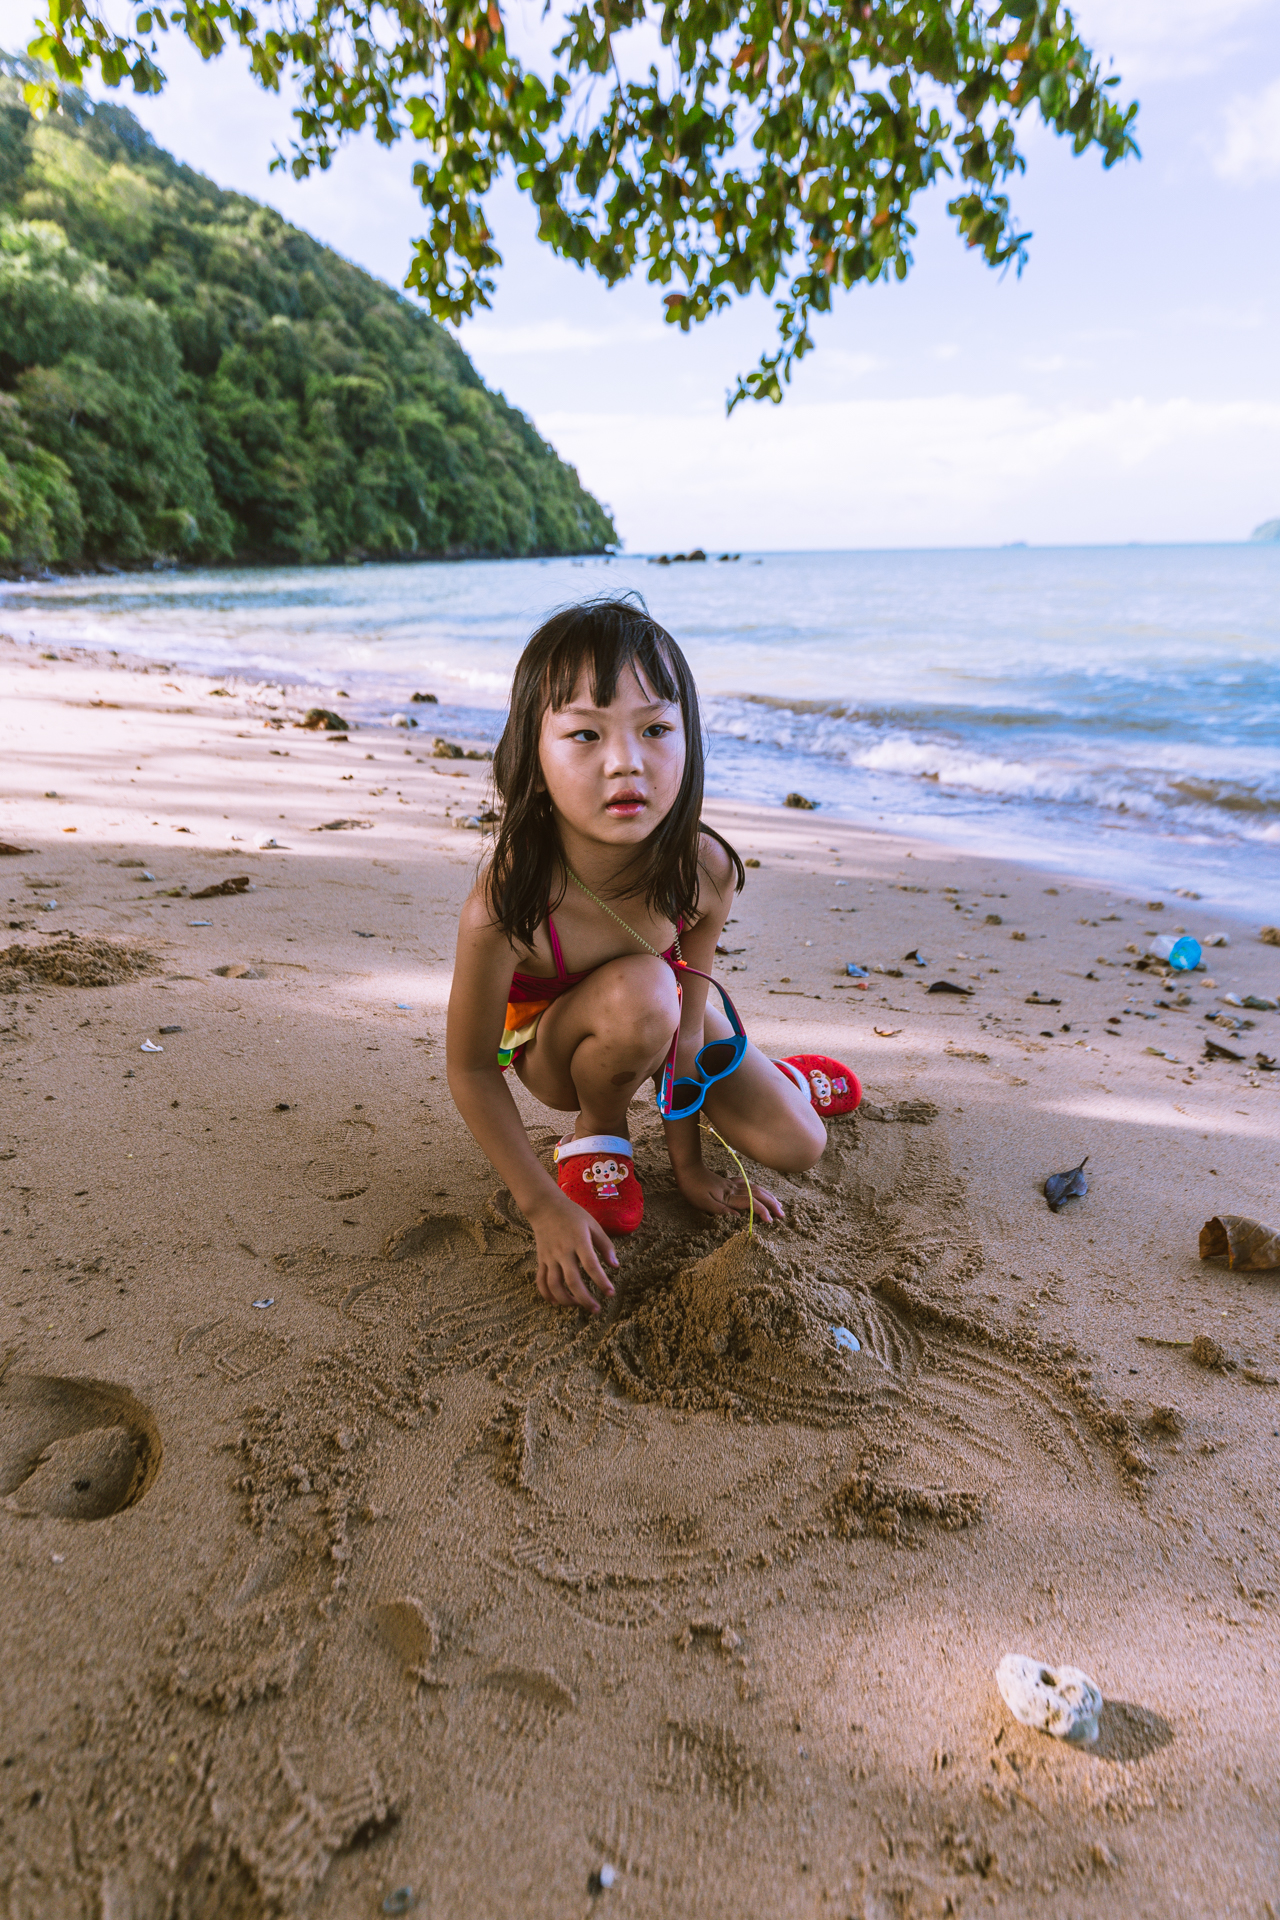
point(335, 1564)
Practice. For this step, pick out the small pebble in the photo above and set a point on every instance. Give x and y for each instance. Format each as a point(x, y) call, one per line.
point(399, 1900)
point(264, 1303)
point(607, 1875)
point(170, 1029)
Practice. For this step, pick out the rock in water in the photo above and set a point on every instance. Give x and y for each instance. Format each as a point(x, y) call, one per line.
point(1057, 1700)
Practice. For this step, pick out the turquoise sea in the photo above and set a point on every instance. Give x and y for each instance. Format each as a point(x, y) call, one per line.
point(1110, 711)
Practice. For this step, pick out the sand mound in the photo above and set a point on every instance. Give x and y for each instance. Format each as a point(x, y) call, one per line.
point(747, 1330)
point(73, 961)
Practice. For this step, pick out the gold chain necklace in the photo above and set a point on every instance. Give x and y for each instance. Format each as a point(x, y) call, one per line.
point(604, 905)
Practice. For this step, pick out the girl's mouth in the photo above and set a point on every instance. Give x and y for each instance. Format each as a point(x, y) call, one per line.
point(625, 806)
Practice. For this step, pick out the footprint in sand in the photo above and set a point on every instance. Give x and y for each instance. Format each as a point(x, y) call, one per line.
point(342, 1169)
point(437, 1236)
point(235, 1352)
point(73, 1449)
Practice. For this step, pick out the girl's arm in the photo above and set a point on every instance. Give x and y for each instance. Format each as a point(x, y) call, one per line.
point(572, 1247)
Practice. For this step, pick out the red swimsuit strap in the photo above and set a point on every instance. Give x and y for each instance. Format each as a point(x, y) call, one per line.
point(556, 948)
point(521, 981)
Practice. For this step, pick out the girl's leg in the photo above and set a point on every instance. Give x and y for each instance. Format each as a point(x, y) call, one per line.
point(598, 1042)
point(762, 1112)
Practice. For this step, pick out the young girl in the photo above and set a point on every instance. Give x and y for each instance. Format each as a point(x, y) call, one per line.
point(600, 771)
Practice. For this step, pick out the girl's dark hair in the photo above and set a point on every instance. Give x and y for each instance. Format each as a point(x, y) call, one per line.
point(606, 638)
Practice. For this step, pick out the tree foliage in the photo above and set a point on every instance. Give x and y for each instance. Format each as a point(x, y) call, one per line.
point(184, 374)
point(775, 145)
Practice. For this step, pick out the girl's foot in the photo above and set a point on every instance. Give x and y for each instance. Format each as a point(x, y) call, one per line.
point(599, 1174)
point(831, 1086)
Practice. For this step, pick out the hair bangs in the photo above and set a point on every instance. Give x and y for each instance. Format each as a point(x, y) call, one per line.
point(603, 650)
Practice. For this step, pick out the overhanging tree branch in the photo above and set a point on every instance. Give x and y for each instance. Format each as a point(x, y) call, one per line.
point(781, 151)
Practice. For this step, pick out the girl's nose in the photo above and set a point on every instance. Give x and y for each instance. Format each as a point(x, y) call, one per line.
point(624, 757)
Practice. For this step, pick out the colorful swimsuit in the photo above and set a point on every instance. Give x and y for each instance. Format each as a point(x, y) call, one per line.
point(529, 996)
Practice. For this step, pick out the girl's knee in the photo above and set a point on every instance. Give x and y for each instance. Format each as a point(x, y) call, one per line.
point(798, 1149)
point(640, 997)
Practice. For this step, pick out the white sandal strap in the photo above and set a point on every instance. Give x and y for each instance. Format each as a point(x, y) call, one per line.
point(609, 1143)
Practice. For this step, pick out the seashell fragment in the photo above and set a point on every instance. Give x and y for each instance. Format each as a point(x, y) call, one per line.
point(1061, 1187)
point(1247, 1245)
point(1062, 1701)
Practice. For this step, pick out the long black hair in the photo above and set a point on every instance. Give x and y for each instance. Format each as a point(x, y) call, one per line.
point(604, 639)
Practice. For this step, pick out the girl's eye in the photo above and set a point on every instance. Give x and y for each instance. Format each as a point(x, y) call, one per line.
point(585, 733)
point(657, 731)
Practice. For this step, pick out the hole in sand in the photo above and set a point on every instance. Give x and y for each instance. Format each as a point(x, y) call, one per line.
point(74, 1449)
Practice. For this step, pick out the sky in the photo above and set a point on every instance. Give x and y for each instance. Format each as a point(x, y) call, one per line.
point(1125, 388)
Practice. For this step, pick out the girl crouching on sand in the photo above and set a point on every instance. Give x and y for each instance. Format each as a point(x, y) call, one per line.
point(600, 772)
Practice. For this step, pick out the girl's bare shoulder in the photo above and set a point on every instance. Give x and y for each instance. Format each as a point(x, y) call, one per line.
point(716, 870)
point(476, 921)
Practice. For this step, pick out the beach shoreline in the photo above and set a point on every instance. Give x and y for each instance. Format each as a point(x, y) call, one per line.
point(1085, 857)
point(414, 1582)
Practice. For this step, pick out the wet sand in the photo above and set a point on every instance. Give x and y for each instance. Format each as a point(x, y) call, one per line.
point(335, 1563)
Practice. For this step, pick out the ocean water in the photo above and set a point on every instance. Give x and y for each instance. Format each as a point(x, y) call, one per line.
point(1110, 711)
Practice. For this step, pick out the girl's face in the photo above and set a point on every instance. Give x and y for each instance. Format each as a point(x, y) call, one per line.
point(613, 773)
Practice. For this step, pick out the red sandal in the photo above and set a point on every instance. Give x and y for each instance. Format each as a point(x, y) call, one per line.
point(598, 1173)
point(831, 1086)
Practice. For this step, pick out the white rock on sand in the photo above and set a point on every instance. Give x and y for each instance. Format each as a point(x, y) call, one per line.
point(1062, 1701)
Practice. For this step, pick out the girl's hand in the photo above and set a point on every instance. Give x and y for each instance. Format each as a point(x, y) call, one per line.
point(572, 1249)
point(726, 1193)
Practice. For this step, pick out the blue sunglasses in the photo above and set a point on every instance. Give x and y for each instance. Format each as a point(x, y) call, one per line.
point(679, 1099)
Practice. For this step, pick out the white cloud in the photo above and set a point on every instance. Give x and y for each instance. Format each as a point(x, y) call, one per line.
point(857, 364)
point(552, 336)
point(1050, 363)
point(1167, 39)
point(1250, 148)
point(960, 469)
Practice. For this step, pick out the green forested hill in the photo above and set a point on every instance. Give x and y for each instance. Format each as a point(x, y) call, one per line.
point(184, 375)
